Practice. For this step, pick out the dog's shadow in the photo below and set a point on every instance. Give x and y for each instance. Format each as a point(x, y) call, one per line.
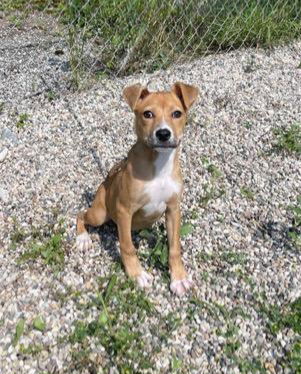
point(108, 233)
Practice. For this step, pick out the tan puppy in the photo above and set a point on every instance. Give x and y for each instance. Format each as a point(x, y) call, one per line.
point(148, 182)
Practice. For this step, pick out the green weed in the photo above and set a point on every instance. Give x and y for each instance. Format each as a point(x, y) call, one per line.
point(39, 323)
point(18, 235)
point(288, 317)
point(233, 258)
point(214, 171)
point(289, 140)
point(16, 20)
point(51, 252)
point(158, 256)
point(23, 120)
point(248, 125)
point(30, 349)
point(51, 95)
point(231, 347)
point(247, 193)
point(26, 6)
point(295, 232)
point(293, 358)
point(20, 326)
point(176, 365)
point(186, 229)
point(247, 366)
point(211, 192)
point(46, 244)
point(121, 338)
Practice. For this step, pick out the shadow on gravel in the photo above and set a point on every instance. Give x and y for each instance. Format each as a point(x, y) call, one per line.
point(280, 234)
point(108, 235)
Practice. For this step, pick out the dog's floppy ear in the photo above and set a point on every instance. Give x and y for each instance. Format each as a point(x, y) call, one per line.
point(186, 93)
point(134, 93)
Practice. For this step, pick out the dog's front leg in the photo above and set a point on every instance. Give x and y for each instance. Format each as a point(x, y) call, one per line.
point(179, 281)
point(129, 257)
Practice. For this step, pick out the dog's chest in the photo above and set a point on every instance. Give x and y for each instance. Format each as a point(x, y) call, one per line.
point(162, 187)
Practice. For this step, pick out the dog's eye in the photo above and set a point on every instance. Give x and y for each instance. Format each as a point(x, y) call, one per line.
point(148, 114)
point(176, 114)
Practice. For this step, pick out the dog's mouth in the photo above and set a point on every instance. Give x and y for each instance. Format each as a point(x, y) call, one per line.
point(164, 145)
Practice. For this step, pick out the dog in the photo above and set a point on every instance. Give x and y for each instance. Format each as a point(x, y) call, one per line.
point(148, 183)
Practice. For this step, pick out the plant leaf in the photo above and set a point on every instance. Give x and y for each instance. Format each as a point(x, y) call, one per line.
point(110, 286)
point(186, 229)
point(19, 331)
point(103, 318)
point(39, 323)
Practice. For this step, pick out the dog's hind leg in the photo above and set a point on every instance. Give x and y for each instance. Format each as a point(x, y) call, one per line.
point(94, 216)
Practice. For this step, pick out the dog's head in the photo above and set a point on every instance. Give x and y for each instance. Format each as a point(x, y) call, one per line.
point(160, 116)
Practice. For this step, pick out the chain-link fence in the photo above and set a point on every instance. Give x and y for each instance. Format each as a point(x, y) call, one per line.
point(119, 37)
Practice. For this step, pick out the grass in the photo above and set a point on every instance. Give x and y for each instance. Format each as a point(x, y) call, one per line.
point(39, 324)
point(247, 193)
point(295, 231)
point(43, 243)
point(22, 121)
point(212, 189)
point(30, 349)
point(248, 125)
point(234, 258)
point(289, 317)
point(18, 235)
point(121, 338)
point(294, 357)
point(51, 252)
point(153, 34)
point(157, 239)
point(135, 35)
point(289, 140)
point(29, 6)
point(19, 330)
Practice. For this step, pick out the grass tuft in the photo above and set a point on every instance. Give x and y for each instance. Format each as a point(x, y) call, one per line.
point(289, 140)
point(23, 120)
point(247, 193)
point(44, 243)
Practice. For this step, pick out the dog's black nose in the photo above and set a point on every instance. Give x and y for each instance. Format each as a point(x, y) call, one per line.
point(163, 135)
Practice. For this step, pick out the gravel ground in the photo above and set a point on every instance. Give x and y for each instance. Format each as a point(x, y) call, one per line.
point(237, 193)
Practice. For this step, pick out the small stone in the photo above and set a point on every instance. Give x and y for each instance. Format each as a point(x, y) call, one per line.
point(4, 196)
point(7, 134)
point(3, 154)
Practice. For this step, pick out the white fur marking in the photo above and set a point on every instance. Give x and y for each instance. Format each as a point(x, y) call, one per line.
point(179, 287)
point(83, 241)
point(163, 186)
point(144, 280)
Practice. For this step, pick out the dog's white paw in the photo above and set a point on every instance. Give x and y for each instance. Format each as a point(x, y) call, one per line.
point(83, 241)
point(144, 280)
point(179, 287)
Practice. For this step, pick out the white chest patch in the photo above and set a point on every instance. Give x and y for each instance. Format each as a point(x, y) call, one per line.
point(163, 186)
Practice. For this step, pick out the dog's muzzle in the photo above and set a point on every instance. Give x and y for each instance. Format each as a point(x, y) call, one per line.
point(163, 139)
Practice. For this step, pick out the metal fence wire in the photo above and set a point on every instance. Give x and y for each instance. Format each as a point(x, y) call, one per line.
point(120, 37)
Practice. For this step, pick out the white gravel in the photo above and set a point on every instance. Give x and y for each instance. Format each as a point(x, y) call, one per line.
point(54, 164)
